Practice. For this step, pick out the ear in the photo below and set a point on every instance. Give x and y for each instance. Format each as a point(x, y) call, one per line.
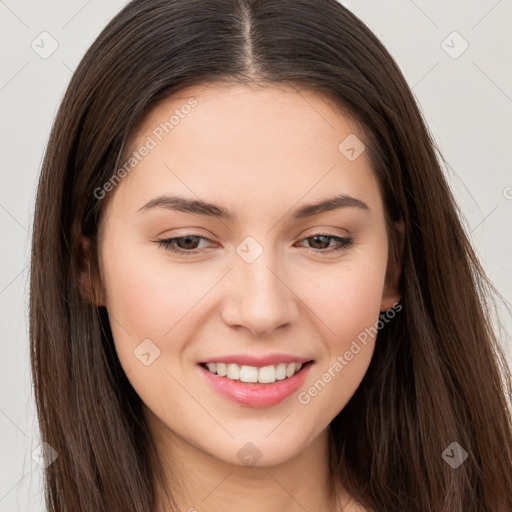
point(89, 283)
point(391, 293)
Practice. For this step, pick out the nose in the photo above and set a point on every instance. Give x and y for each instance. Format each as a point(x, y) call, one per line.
point(260, 297)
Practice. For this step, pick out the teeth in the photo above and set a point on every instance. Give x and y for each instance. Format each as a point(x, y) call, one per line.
point(248, 374)
point(233, 372)
point(281, 370)
point(221, 369)
point(263, 375)
point(267, 374)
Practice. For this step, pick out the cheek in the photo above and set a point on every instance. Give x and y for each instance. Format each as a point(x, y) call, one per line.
point(346, 304)
point(346, 296)
point(147, 299)
point(159, 302)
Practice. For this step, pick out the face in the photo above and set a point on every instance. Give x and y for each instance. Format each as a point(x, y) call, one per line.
point(257, 282)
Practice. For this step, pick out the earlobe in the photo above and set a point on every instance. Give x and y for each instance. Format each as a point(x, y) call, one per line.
point(391, 293)
point(389, 301)
point(89, 286)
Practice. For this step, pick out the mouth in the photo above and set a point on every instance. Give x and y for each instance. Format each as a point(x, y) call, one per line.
point(268, 374)
point(255, 386)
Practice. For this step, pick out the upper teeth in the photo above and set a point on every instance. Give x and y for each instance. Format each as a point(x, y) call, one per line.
point(264, 374)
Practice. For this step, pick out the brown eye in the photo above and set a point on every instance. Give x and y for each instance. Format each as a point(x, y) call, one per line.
point(184, 244)
point(320, 242)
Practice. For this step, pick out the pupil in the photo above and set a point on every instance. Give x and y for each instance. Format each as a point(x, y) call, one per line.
point(319, 236)
point(187, 240)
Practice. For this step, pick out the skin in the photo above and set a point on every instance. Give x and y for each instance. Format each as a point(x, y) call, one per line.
point(261, 152)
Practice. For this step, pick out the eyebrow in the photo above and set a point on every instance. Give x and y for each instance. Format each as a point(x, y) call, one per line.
point(200, 207)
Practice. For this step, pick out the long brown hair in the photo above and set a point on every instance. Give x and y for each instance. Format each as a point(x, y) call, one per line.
point(438, 374)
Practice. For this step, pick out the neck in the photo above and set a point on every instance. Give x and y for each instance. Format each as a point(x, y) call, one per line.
point(199, 481)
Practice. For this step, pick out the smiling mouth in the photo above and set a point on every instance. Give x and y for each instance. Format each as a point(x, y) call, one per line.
point(253, 374)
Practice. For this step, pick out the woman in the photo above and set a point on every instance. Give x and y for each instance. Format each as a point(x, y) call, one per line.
point(324, 344)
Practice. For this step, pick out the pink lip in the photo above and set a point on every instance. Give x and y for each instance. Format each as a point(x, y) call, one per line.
point(256, 395)
point(259, 361)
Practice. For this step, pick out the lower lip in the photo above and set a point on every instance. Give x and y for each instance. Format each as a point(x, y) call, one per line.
point(257, 395)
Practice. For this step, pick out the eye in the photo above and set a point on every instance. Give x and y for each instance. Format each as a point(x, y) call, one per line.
point(188, 245)
point(189, 241)
point(323, 239)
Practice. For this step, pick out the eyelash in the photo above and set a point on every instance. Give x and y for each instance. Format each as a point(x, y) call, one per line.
point(345, 243)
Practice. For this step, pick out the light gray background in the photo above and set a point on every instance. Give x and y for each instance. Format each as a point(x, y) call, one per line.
point(467, 102)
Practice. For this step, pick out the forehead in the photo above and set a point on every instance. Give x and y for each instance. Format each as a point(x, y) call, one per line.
point(238, 144)
point(254, 107)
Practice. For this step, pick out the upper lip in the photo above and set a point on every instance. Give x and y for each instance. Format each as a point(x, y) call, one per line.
point(253, 360)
